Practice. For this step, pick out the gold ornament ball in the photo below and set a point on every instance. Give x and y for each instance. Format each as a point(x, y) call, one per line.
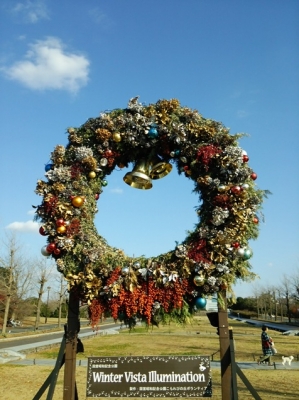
point(199, 280)
point(223, 286)
point(92, 175)
point(116, 137)
point(77, 201)
point(221, 188)
point(61, 229)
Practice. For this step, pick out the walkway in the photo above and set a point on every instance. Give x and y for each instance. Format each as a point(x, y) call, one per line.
point(16, 347)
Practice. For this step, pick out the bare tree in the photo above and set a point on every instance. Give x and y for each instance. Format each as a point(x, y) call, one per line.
point(61, 297)
point(43, 271)
point(257, 292)
point(285, 289)
point(15, 278)
point(295, 285)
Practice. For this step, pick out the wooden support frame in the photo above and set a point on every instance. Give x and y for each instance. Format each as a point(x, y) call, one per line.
point(229, 367)
point(236, 370)
point(52, 378)
point(71, 345)
point(226, 374)
point(73, 328)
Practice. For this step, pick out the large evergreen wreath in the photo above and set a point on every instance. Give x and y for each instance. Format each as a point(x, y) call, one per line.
point(211, 257)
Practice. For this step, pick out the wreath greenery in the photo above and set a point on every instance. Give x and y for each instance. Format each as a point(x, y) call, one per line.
point(212, 256)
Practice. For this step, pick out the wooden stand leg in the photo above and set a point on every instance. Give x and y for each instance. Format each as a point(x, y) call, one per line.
point(52, 378)
point(233, 366)
point(226, 375)
point(73, 327)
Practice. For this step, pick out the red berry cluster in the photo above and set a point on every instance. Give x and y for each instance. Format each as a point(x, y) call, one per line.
point(198, 251)
point(95, 311)
point(50, 205)
point(141, 300)
point(206, 153)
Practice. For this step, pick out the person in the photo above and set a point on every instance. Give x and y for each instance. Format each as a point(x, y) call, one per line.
point(266, 346)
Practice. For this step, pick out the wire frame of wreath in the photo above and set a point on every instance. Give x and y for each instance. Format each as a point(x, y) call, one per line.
point(154, 138)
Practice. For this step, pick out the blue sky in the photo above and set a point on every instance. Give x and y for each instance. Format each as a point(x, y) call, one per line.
point(235, 62)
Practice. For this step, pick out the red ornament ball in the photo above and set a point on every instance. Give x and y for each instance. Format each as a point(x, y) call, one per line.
point(97, 196)
point(60, 222)
point(253, 176)
point(236, 189)
point(109, 153)
point(236, 245)
point(42, 231)
point(51, 247)
point(255, 220)
point(245, 158)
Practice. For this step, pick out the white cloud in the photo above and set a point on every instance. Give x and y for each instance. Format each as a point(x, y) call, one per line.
point(31, 11)
point(48, 66)
point(100, 18)
point(242, 114)
point(236, 94)
point(117, 191)
point(29, 226)
point(97, 15)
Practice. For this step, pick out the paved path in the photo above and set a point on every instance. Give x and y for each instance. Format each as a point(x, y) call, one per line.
point(32, 342)
point(14, 349)
point(214, 364)
point(271, 325)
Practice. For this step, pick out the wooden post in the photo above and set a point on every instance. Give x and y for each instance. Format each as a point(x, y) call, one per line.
point(226, 375)
point(73, 327)
point(233, 365)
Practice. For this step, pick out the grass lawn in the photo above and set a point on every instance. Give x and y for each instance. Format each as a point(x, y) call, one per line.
point(22, 382)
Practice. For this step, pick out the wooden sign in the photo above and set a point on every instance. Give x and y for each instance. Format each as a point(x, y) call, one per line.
point(149, 376)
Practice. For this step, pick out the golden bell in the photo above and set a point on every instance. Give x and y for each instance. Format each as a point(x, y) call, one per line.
point(159, 168)
point(139, 177)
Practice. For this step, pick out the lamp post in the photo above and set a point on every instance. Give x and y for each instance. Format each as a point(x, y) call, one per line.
point(46, 318)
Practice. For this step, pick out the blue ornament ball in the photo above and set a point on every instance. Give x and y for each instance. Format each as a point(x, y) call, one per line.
point(200, 302)
point(153, 133)
point(247, 254)
point(48, 167)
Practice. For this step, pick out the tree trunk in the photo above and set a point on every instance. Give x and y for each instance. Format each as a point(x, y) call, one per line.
point(9, 289)
point(6, 311)
point(288, 307)
point(60, 301)
point(39, 303)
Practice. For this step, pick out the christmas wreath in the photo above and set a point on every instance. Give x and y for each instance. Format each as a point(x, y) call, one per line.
point(153, 137)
